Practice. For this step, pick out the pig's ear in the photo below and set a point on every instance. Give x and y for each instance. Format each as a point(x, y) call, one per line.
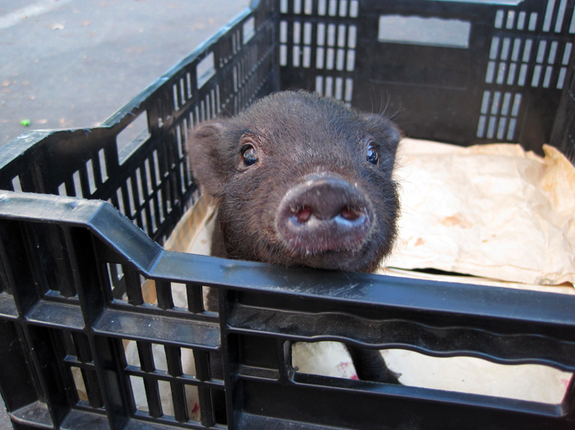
point(389, 133)
point(206, 151)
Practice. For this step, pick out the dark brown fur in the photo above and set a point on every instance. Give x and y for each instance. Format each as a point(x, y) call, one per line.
point(295, 135)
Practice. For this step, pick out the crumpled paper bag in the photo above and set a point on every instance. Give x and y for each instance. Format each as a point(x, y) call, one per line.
point(493, 211)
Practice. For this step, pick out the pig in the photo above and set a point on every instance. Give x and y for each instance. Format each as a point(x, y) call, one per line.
point(302, 180)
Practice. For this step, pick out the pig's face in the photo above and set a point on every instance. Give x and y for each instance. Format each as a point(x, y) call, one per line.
point(300, 180)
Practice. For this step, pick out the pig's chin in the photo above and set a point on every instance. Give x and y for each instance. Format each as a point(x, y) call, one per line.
point(346, 260)
point(329, 247)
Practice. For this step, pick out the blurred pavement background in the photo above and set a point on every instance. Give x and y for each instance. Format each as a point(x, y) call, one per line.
point(73, 63)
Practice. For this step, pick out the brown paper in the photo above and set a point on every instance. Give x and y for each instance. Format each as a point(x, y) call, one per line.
point(493, 211)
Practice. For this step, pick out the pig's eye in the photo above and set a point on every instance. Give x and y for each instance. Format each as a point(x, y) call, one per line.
point(249, 156)
point(371, 155)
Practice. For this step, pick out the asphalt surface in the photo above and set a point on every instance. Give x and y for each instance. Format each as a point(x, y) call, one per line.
point(73, 63)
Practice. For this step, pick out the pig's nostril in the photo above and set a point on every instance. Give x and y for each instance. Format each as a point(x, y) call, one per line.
point(324, 215)
point(350, 214)
point(302, 214)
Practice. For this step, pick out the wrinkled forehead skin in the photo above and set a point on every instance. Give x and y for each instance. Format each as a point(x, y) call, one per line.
point(298, 121)
point(311, 116)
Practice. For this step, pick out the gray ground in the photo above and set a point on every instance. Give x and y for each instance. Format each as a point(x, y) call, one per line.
point(72, 63)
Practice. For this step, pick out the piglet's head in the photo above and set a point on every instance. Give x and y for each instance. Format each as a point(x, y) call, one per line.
point(300, 180)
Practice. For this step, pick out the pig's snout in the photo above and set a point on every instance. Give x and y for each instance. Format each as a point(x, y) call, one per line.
point(324, 213)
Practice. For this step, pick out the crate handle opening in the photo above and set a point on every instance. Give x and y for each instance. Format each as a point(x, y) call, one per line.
point(414, 30)
point(205, 70)
point(249, 29)
point(132, 137)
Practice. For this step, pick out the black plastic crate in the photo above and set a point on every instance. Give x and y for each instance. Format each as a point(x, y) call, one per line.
point(72, 266)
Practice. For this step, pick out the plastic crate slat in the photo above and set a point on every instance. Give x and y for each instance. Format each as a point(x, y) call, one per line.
point(511, 348)
point(158, 329)
point(20, 263)
point(56, 314)
point(383, 406)
point(33, 414)
point(133, 286)
point(162, 376)
point(153, 397)
point(60, 243)
point(174, 360)
point(52, 275)
point(8, 306)
point(146, 356)
point(179, 401)
point(164, 294)
point(195, 297)
point(92, 388)
point(42, 207)
point(539, 311)
point(258, 422)
point(6, 277)
point(82, 419)
point(202, 360)
point(125, 237)
point(82, 347)
point(203, 373)
point(258, 372)
point(206, 406)
point(15, 375)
